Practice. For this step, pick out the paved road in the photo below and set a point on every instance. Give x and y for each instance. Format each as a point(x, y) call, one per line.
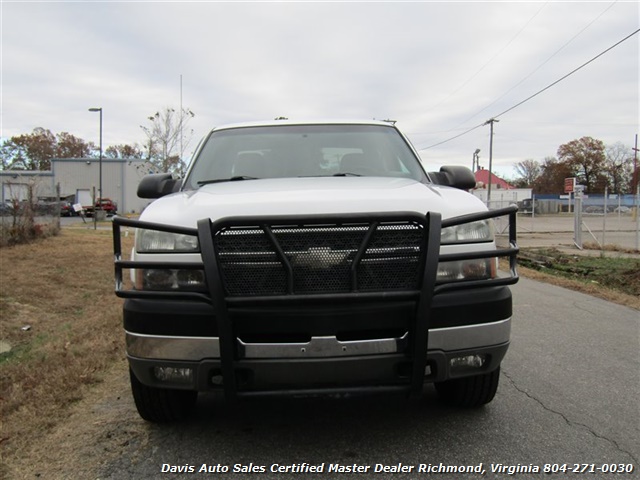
point(568, 395)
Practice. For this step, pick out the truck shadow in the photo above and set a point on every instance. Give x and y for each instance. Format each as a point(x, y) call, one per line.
point(345, 429)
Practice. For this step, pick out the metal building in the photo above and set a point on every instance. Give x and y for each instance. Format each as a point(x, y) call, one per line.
point(16, 184)
point(80, 178)
point(120, 178)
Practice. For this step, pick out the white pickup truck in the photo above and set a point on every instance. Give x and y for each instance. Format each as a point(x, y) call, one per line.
point(312, 258)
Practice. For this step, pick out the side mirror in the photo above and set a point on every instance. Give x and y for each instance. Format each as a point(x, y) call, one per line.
point(454, 176)
point(158, 185)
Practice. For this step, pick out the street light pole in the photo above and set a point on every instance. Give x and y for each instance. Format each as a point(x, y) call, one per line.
point(99, 207)
point(476, 161)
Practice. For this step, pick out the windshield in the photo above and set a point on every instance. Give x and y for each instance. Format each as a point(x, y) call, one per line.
point(304, 151)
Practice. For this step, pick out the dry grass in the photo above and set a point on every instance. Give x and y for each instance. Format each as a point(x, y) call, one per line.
point(593, 289)
point(613, 277)
point(62, 323)
point(608, 248)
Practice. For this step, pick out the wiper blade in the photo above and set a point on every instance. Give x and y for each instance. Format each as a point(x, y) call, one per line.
point(231, 179)
point(346, 174)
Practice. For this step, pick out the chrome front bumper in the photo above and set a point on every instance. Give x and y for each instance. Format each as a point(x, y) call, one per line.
point(194, 349)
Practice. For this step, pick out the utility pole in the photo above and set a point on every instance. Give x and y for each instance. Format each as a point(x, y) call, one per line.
point(181, 119)
point(491, 121)
point(634, 181)
point(98, 208)
point(636, 191)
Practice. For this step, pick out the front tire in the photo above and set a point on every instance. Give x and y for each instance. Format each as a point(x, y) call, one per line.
point(469, 392)
point(161, 405)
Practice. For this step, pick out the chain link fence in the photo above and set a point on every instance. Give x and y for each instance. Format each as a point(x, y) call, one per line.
point(601, 222)
point(25, 216)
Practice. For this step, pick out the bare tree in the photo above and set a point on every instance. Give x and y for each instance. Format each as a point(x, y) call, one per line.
point(619, 167)
point(124, 152)
point(168, 137)
point(22, 197)
point(528, 171)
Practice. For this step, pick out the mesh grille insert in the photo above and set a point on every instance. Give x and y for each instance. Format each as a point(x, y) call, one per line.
point(321, 258)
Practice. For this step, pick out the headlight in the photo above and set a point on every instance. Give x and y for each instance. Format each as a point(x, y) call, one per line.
point(473, 232)
point(154, 241)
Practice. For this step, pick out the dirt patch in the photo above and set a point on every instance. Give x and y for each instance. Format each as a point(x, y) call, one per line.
point(98, 429)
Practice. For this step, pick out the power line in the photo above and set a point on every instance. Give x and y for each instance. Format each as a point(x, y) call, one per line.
point(568, 74)
point(453, 138)
point(542, 64)
point(488, 62)
point(538, 92)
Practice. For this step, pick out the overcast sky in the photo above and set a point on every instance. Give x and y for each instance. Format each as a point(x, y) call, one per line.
point(439, 69)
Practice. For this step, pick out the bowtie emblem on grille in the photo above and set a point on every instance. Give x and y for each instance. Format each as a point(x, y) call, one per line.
point(319, 258)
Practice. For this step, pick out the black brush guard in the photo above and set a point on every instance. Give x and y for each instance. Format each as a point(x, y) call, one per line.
point(425, 288)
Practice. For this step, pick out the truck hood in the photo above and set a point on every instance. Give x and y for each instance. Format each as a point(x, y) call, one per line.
point(312, 195)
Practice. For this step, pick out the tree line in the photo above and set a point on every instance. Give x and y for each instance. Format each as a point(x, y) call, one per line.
point(594, 165)
point(166, 134)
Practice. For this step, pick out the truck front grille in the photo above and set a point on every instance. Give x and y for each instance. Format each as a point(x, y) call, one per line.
point(313, 259)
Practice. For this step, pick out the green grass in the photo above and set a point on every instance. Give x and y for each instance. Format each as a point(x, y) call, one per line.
point(617, 273)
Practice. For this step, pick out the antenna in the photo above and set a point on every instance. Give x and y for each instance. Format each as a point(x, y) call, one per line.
point(181, 147)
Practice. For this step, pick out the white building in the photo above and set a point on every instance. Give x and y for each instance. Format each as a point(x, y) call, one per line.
point(16, 184)
point(500, 197)
point(79, 178)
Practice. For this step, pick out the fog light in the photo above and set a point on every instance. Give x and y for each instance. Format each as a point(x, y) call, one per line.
point(170, 279)
point(475, 269)
point(190, 279)
point(174, 375)
point(158, 279)
point(480, 269)
point(467, 362)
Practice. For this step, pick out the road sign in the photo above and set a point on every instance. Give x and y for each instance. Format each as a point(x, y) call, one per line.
point(569, 185)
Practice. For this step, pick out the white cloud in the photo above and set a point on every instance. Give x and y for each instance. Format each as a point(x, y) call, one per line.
point(435, 67)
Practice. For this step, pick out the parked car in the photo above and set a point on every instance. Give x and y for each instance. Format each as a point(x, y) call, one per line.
point(106, 204)
point(313, 258)
point(622, 209)
point(47, 206)
point(7, 208)
point(66, 209)
point(593, 209)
